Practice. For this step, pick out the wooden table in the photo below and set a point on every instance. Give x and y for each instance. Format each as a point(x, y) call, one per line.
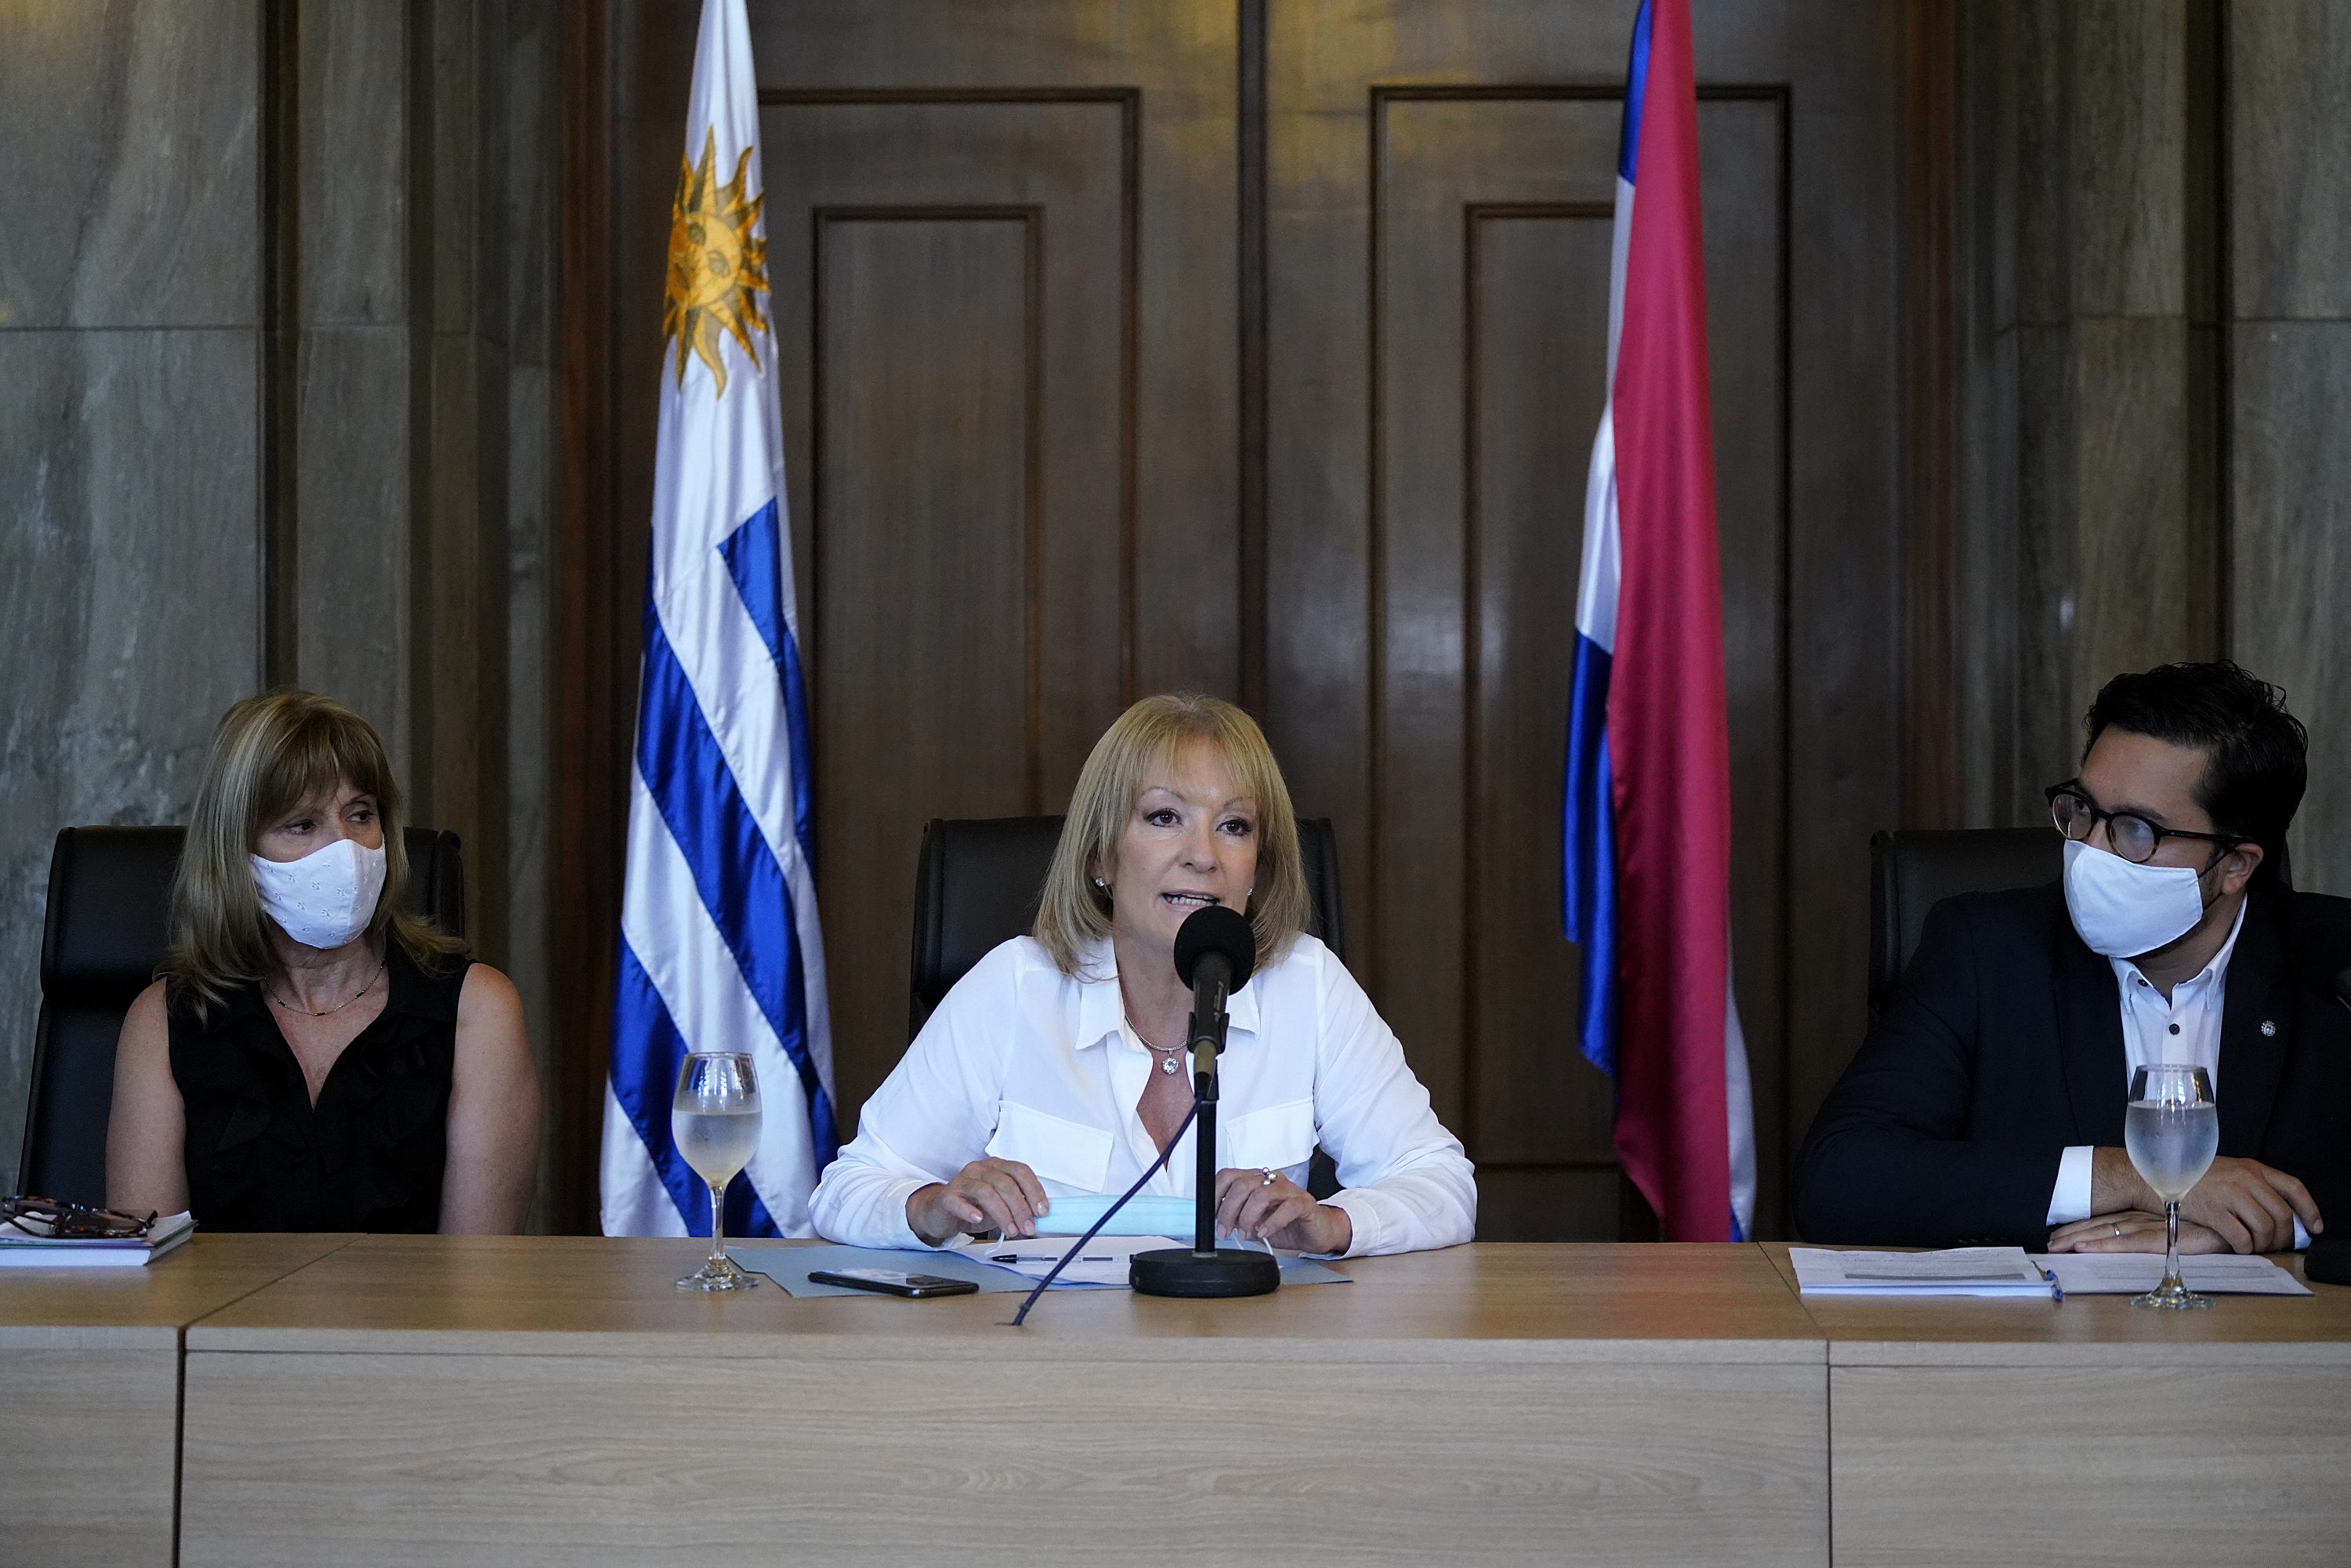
point(425, 1400)
point(90, 1393)
point(2090, 1431)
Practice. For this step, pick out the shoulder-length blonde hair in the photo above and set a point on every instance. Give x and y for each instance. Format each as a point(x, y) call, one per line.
point(269, 754)
point(1073, 915)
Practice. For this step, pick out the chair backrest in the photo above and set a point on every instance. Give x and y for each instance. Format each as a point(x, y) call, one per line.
point(109, 910)
point(979, 882)
point(1910, 872)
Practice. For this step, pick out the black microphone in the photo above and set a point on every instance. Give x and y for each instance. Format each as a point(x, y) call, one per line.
point(1216, 951)
point(2329, 1257)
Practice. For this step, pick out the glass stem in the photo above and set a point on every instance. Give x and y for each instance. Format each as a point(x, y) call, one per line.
point(2171, 1246)
point(718, 1226)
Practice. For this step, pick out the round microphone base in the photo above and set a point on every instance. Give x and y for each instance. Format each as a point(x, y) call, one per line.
point(1180, 1272)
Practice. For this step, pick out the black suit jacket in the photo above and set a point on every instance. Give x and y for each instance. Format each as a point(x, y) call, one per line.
point(2004, 1046)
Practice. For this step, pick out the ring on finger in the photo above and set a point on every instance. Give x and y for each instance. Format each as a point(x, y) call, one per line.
point(1268, 1178)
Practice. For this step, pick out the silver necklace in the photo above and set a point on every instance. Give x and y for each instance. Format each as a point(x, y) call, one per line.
point(338, 1006)
point(1166, 1053)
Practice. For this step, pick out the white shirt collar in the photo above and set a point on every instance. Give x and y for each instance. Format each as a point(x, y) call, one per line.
point(1100, 1007)
point(2126, 971)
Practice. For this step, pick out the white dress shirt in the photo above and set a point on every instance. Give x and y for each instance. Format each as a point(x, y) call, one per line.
point(1023, 1062)
point(2185, 1028)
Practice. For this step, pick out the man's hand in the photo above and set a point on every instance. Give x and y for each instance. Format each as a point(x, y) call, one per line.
point(2248, 1206)
point(1003, 1195)
point(2133, 1230)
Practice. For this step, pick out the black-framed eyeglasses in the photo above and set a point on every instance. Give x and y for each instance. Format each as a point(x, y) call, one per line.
point(52, 1217)
point(2133, 837)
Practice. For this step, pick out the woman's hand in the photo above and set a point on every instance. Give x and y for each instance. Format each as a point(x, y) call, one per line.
point(1267, 1206)
point(1003, 1195)
point(2133, 1230)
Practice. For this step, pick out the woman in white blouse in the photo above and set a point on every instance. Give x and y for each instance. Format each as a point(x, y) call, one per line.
point(1052, 1069)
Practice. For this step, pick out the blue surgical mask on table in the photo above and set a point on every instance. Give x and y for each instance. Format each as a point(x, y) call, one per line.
point(326, 898)
point(2122, 910)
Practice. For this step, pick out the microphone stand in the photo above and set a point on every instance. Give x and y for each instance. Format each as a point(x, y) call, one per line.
point(1204, 1269)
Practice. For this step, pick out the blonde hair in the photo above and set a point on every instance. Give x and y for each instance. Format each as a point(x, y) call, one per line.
point(269, 754)
point(1074, 916)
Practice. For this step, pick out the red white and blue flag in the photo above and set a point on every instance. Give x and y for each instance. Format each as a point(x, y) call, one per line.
point(1646, 892)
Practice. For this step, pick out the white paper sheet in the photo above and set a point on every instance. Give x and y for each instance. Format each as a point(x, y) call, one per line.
point(1954, 1271)
point(2135, 1273)
point(1103, 1262)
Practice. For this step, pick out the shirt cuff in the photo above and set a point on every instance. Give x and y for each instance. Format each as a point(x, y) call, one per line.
point(2070, 1200)
point(1363, 1211)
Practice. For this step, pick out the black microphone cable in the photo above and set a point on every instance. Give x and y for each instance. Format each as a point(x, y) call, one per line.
point(1157, 1166)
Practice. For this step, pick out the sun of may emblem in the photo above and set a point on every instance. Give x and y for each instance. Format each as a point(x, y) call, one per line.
point(717, 266)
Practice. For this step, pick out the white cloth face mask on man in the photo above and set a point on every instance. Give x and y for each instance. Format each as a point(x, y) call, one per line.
point(2123, 910)
point(326, 898)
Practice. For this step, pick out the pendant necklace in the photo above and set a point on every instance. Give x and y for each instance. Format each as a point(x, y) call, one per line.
point(1166, 1053)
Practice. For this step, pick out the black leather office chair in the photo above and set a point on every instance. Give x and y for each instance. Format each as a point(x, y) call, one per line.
point(110, 895)
point(1910, 872)
point(979, 882)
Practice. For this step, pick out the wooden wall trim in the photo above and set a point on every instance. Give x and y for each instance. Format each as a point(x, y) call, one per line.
point(281, 266)
point(592, 696)
point(1031, 217)
point(1475, 215)
point(1129, 101)
point(1250, 186)
point(1933, 782)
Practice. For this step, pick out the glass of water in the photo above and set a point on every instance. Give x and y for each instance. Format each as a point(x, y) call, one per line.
point(2172, 1130)
point(715, 1121)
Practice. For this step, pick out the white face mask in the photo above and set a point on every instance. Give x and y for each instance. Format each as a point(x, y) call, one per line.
point(2124, 910)
point(326, 898)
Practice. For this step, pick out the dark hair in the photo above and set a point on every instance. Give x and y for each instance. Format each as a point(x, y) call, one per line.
point(2255, 753)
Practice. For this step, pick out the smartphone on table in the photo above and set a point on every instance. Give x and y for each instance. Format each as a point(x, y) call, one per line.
point(893, 1282)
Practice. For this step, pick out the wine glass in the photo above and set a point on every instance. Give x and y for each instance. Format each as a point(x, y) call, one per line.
point(713, 1119)
point(2172, 1130)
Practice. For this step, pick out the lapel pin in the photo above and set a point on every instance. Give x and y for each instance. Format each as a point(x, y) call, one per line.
point(2268, 1028)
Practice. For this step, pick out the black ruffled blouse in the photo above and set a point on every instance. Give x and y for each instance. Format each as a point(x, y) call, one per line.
point(369, 1157)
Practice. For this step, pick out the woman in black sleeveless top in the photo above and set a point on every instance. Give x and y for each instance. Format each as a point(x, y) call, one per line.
point(314, 1058)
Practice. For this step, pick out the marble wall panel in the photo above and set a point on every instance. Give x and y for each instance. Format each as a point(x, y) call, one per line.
point(352, 535)
point(2048, 608)
point(2292, 510)
point(2032, 59)
point(128, 604)
point(2142, 587)
point(2290, 158)
point(2127, 92)
point(130, 196)
point(353, 155)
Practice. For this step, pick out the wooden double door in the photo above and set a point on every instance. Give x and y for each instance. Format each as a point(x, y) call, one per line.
point(1256, 349)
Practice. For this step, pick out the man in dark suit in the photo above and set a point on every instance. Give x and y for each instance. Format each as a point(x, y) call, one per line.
point(1986, 1104)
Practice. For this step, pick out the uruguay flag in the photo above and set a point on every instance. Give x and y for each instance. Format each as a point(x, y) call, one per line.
point(1646, 848)
point(719, 944)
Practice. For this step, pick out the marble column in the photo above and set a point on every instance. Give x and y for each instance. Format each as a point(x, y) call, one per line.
point(2088, 517)
point(275, 381)
point(2290, 386)
point(129, 376)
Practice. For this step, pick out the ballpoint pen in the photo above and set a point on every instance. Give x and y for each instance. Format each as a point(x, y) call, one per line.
point(1044, 1257)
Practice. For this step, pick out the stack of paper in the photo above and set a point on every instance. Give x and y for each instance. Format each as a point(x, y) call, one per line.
point(1956, 1272)
point(2135, 1273)
point(1103, 1262)
point(19, 1250)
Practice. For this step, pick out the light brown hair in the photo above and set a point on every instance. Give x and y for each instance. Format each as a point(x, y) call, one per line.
point(269, 754)
point(1074, 916)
